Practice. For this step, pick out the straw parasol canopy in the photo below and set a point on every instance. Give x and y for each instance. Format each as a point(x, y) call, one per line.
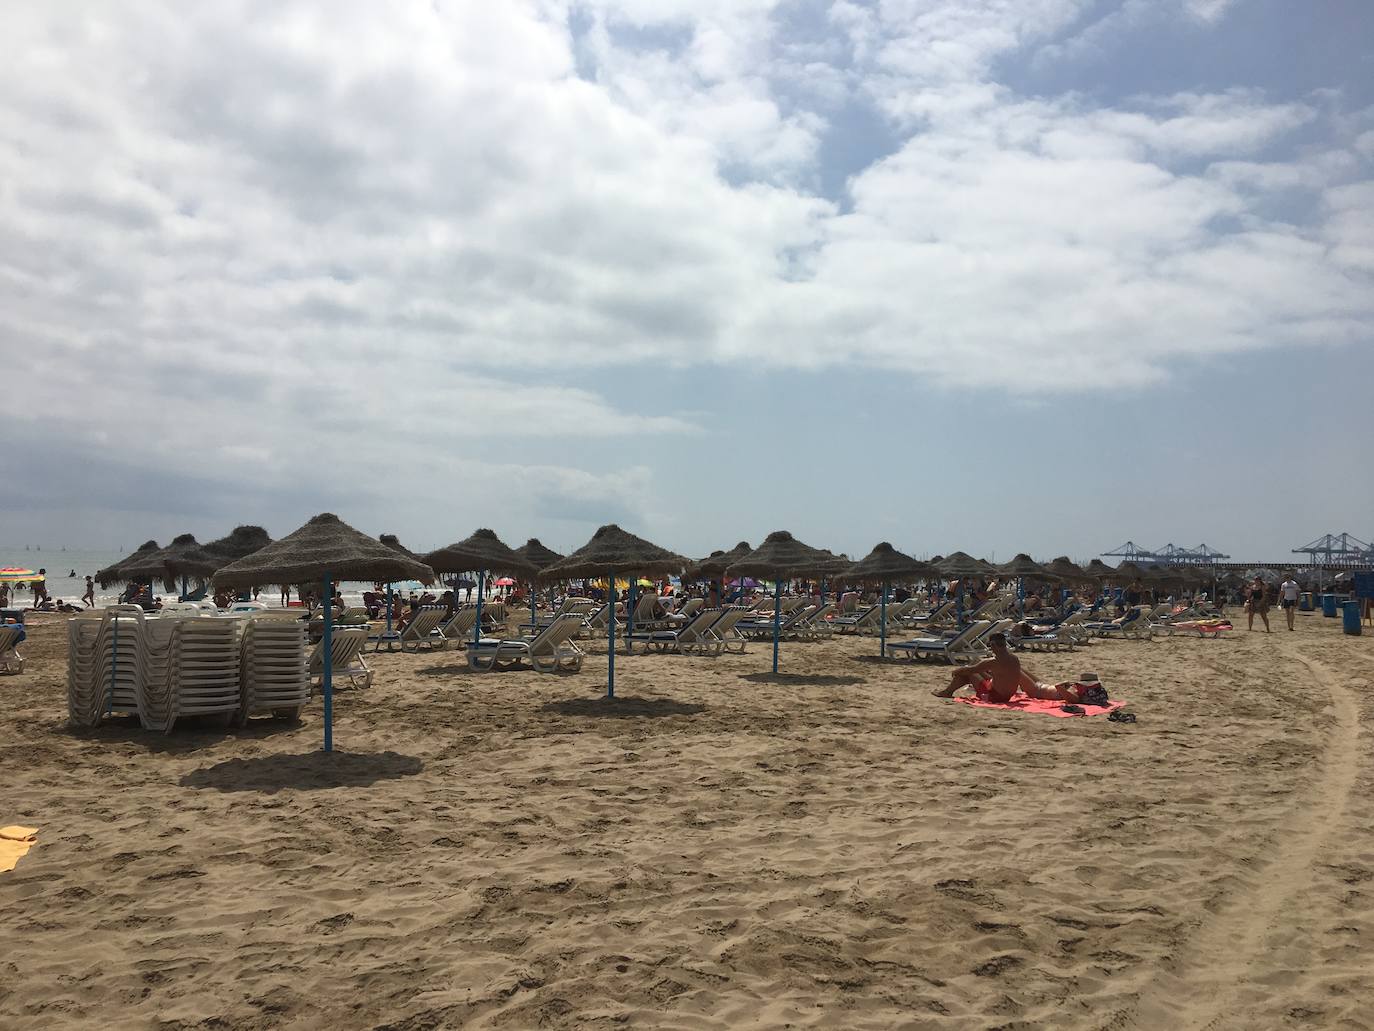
point(716, 563)
point(325, 546)
point(963, 565)
point(886, 563)
point(482, 552)
point(1099, 570)
point(1025, 566)
point(394, 543)
point(1129, 571)
point(782, 555)
point(533, 552)
point(613, 550)
point(183, 557)
point(243, 541)
point(114, 574)
point(1066, 569)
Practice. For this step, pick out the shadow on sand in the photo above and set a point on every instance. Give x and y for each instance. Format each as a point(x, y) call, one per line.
point(628, 707)
point(191, 733)
point(803, 679)
point(313, 771)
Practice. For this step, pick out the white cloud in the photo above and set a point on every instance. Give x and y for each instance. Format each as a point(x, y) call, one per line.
point(403, 206)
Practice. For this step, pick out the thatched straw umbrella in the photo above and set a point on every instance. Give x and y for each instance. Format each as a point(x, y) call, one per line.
point(962, 566)
point(885, 563)
point(1021, 567)
point(533, 552)
point(779, 557)
point(1129, 571)
point(325, 550)
point(183, 558)
point(389, 636)
point(1100, 571)
point(482, 553)
point(1066, 569)
point(716, 563)
point(242, 542)
point(612, 551)
point(114, 574)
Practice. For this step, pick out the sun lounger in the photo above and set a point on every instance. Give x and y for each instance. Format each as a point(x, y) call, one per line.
point(569, 606)
point(725, 630)
point(759, 628)
point(347, 659)
point(458, 630)
point(866, 621)
point(550, 650)
point(420, 632)
point(817, 626)
point(967, 644)
point(942, 613)
point(10, 659)
point(692, 636)
point(1135, 625)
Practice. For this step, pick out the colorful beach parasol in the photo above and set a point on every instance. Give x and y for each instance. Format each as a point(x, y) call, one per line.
point(15, 575)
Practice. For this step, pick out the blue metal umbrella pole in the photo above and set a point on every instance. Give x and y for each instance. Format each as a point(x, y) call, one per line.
point(183, 588)
point(630, 614)
point(822, 590)
point(959, 604)
point(777, 621)
point(1021, 595)
point(534, 621)
point(477, 623)
point(328, 664)
point(610, 636)
point(882, 634)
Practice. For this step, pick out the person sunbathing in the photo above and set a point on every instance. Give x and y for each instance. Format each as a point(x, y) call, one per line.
point(998, 678)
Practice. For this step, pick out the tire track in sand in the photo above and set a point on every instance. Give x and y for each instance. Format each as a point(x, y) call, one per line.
point(1214, 969)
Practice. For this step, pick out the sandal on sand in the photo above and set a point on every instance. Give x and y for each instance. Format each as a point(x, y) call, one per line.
point(1077, 710)
point(1121, 717)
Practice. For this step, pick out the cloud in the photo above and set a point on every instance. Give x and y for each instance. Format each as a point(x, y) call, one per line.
point(299, 216)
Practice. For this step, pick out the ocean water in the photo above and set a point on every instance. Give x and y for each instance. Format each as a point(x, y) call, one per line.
point(60, 563)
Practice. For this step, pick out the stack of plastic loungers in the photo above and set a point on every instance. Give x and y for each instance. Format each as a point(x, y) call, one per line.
point(156, 704)
point(203, 668)
point(272, 673)
point(104, 664)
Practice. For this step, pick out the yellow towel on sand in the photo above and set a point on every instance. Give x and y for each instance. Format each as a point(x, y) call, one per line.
point(15, 842)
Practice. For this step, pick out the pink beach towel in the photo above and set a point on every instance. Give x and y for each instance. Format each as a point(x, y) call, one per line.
point(1023, 703)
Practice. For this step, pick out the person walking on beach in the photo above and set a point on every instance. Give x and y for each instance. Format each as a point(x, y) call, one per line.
point(39, 587)
point(1288, 598)
point(89, 597)
point(1257, 603)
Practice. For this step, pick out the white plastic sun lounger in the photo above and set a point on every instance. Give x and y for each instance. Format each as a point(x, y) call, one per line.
point(347, 651)
point(724, 630)
point(692, 636)
point(866, 621)
point(419, 632)
point(550, 650)
point(967, 644)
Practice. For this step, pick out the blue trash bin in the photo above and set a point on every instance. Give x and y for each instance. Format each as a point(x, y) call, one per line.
point(1351, 616)
point(1305, 602)
point(1329, 606)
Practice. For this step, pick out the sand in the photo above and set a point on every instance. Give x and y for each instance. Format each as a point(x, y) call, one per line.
point(716, 850)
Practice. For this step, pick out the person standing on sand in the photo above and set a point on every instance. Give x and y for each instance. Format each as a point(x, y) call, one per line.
point(40, 588)
point(1288, 598)
point(88, 599)
point(1257, 603)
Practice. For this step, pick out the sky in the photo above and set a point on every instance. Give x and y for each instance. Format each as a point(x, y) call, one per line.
point(999, 276)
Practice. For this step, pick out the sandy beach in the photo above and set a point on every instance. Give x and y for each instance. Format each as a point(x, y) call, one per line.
point(716, 849)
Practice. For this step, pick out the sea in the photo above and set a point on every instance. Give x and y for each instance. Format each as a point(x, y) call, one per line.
point(67, 569)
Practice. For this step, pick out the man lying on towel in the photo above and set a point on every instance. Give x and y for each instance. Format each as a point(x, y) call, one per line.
point(998, 678)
